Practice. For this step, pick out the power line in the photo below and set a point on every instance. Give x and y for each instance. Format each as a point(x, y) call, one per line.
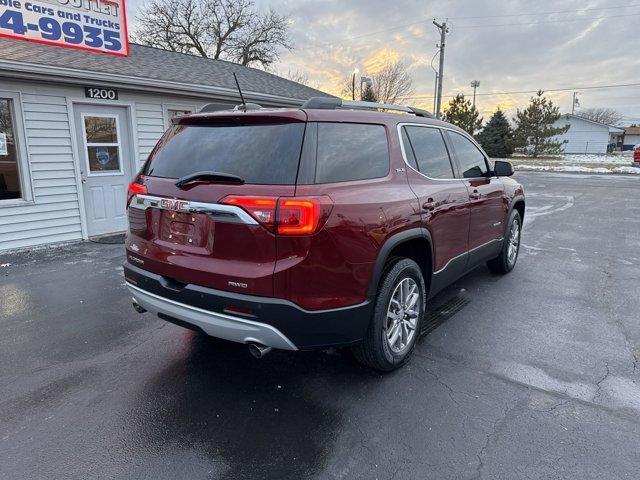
point(544, 13)
point(398, 27)
point(543, 22)
point(547, 90)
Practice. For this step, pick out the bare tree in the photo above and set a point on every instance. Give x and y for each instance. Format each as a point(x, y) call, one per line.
point(297, 76)
point(257, 42)
point(608, 116)
point(221, 29)
point(391, 84)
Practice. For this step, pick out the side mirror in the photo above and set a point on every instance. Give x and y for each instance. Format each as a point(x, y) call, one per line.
point(502, 169)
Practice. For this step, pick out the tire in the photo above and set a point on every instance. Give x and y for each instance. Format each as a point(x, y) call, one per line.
point(508, 257)
point(376, 349)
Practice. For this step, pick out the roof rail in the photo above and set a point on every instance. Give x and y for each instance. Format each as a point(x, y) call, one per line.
point(330, 103)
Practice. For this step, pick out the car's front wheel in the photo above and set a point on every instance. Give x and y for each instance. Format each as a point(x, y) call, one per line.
point(397, 317)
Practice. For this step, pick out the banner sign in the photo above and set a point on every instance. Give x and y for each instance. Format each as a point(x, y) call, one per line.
point(95, 25)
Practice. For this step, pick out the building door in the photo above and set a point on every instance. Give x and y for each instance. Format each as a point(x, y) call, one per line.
point(105, 153)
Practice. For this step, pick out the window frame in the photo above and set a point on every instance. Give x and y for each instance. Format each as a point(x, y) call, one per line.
point(460, 174)
point(86, 144)
point(454, 163)
point(23, 162)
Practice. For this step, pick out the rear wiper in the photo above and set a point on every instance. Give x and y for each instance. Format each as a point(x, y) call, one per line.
point(209, 176)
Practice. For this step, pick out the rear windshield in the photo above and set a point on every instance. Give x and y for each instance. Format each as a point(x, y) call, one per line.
point(259, 154)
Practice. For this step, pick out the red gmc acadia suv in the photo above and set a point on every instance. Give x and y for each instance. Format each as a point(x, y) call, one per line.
point(326, 225)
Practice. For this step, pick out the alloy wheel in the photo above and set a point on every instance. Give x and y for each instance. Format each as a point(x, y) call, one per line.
point(514, 242)
point(402, 315)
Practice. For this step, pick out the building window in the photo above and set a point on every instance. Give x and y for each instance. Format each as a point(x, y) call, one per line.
point(10, 181)
point(171, 113)
point(103, 146)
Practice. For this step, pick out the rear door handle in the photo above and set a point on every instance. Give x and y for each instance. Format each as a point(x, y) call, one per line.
point(429, 204)
point(475, 195)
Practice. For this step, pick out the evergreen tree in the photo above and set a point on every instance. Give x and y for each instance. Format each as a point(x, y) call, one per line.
point(534, 130)
point(368, 95)
point(496, 136)
point(461, 113)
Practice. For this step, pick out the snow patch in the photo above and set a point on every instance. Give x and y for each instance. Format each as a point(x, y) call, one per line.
point(577, 169)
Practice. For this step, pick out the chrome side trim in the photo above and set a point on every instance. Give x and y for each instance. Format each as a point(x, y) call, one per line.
point(215, 324)
point(223, 213)
point(467, 252)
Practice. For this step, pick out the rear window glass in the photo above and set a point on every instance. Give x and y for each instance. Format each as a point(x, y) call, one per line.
point(259, 154)
point(351, 151)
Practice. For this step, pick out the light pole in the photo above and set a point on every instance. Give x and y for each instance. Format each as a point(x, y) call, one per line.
point(353, 84)
point(475, 84)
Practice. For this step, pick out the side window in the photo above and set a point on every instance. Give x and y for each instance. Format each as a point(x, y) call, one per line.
point(430, 152)
point(471, 160)
point(351, 151)
point(408, 149)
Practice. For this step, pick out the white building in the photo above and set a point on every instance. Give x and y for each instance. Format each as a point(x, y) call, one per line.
point(587, 136)
point(75, 126)
point(631, 137)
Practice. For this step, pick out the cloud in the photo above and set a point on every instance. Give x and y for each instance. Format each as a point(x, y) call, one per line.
point(516, 45)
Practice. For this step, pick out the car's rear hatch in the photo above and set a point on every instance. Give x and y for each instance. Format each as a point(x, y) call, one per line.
point(194, 233)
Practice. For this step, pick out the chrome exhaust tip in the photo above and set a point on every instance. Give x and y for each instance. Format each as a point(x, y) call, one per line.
point(136, 306)
point(259, 351)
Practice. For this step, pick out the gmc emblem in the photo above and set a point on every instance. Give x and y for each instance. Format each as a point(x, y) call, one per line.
point(170, 204)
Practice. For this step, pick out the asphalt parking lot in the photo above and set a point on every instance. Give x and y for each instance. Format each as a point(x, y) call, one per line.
point(535, 375)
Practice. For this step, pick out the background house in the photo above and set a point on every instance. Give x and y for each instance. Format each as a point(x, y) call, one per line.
point(631, 137)
point(76, 126)
point(587, 136)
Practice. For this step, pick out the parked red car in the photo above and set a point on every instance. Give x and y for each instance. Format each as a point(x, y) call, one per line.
point(636, 155)
point(327, 225)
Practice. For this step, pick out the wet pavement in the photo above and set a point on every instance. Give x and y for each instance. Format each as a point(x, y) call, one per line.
point(531, 375)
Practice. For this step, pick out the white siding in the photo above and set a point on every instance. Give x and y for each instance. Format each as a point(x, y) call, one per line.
point(583, 136)
point(54, 215)
point(150, 127)
point(631, 140)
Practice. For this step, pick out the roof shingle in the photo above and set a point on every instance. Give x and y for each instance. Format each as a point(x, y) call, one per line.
point(156, 64)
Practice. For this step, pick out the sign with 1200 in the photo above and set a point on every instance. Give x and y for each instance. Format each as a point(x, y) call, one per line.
point(96, 25)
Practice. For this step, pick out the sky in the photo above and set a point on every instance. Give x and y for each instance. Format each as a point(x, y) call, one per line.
point(508, 45)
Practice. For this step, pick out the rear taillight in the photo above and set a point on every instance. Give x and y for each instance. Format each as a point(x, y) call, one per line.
point(263, 209)
point(285, 215)
point(135, 189)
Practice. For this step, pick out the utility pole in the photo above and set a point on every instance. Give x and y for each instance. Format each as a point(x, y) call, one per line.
point(475, 84)
point(574, 103)
point(435, 84)
point(435, 93)
point(443, 33)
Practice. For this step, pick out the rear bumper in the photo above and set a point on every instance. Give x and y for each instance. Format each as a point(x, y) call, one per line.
point(216, 324)
point(272, 322)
